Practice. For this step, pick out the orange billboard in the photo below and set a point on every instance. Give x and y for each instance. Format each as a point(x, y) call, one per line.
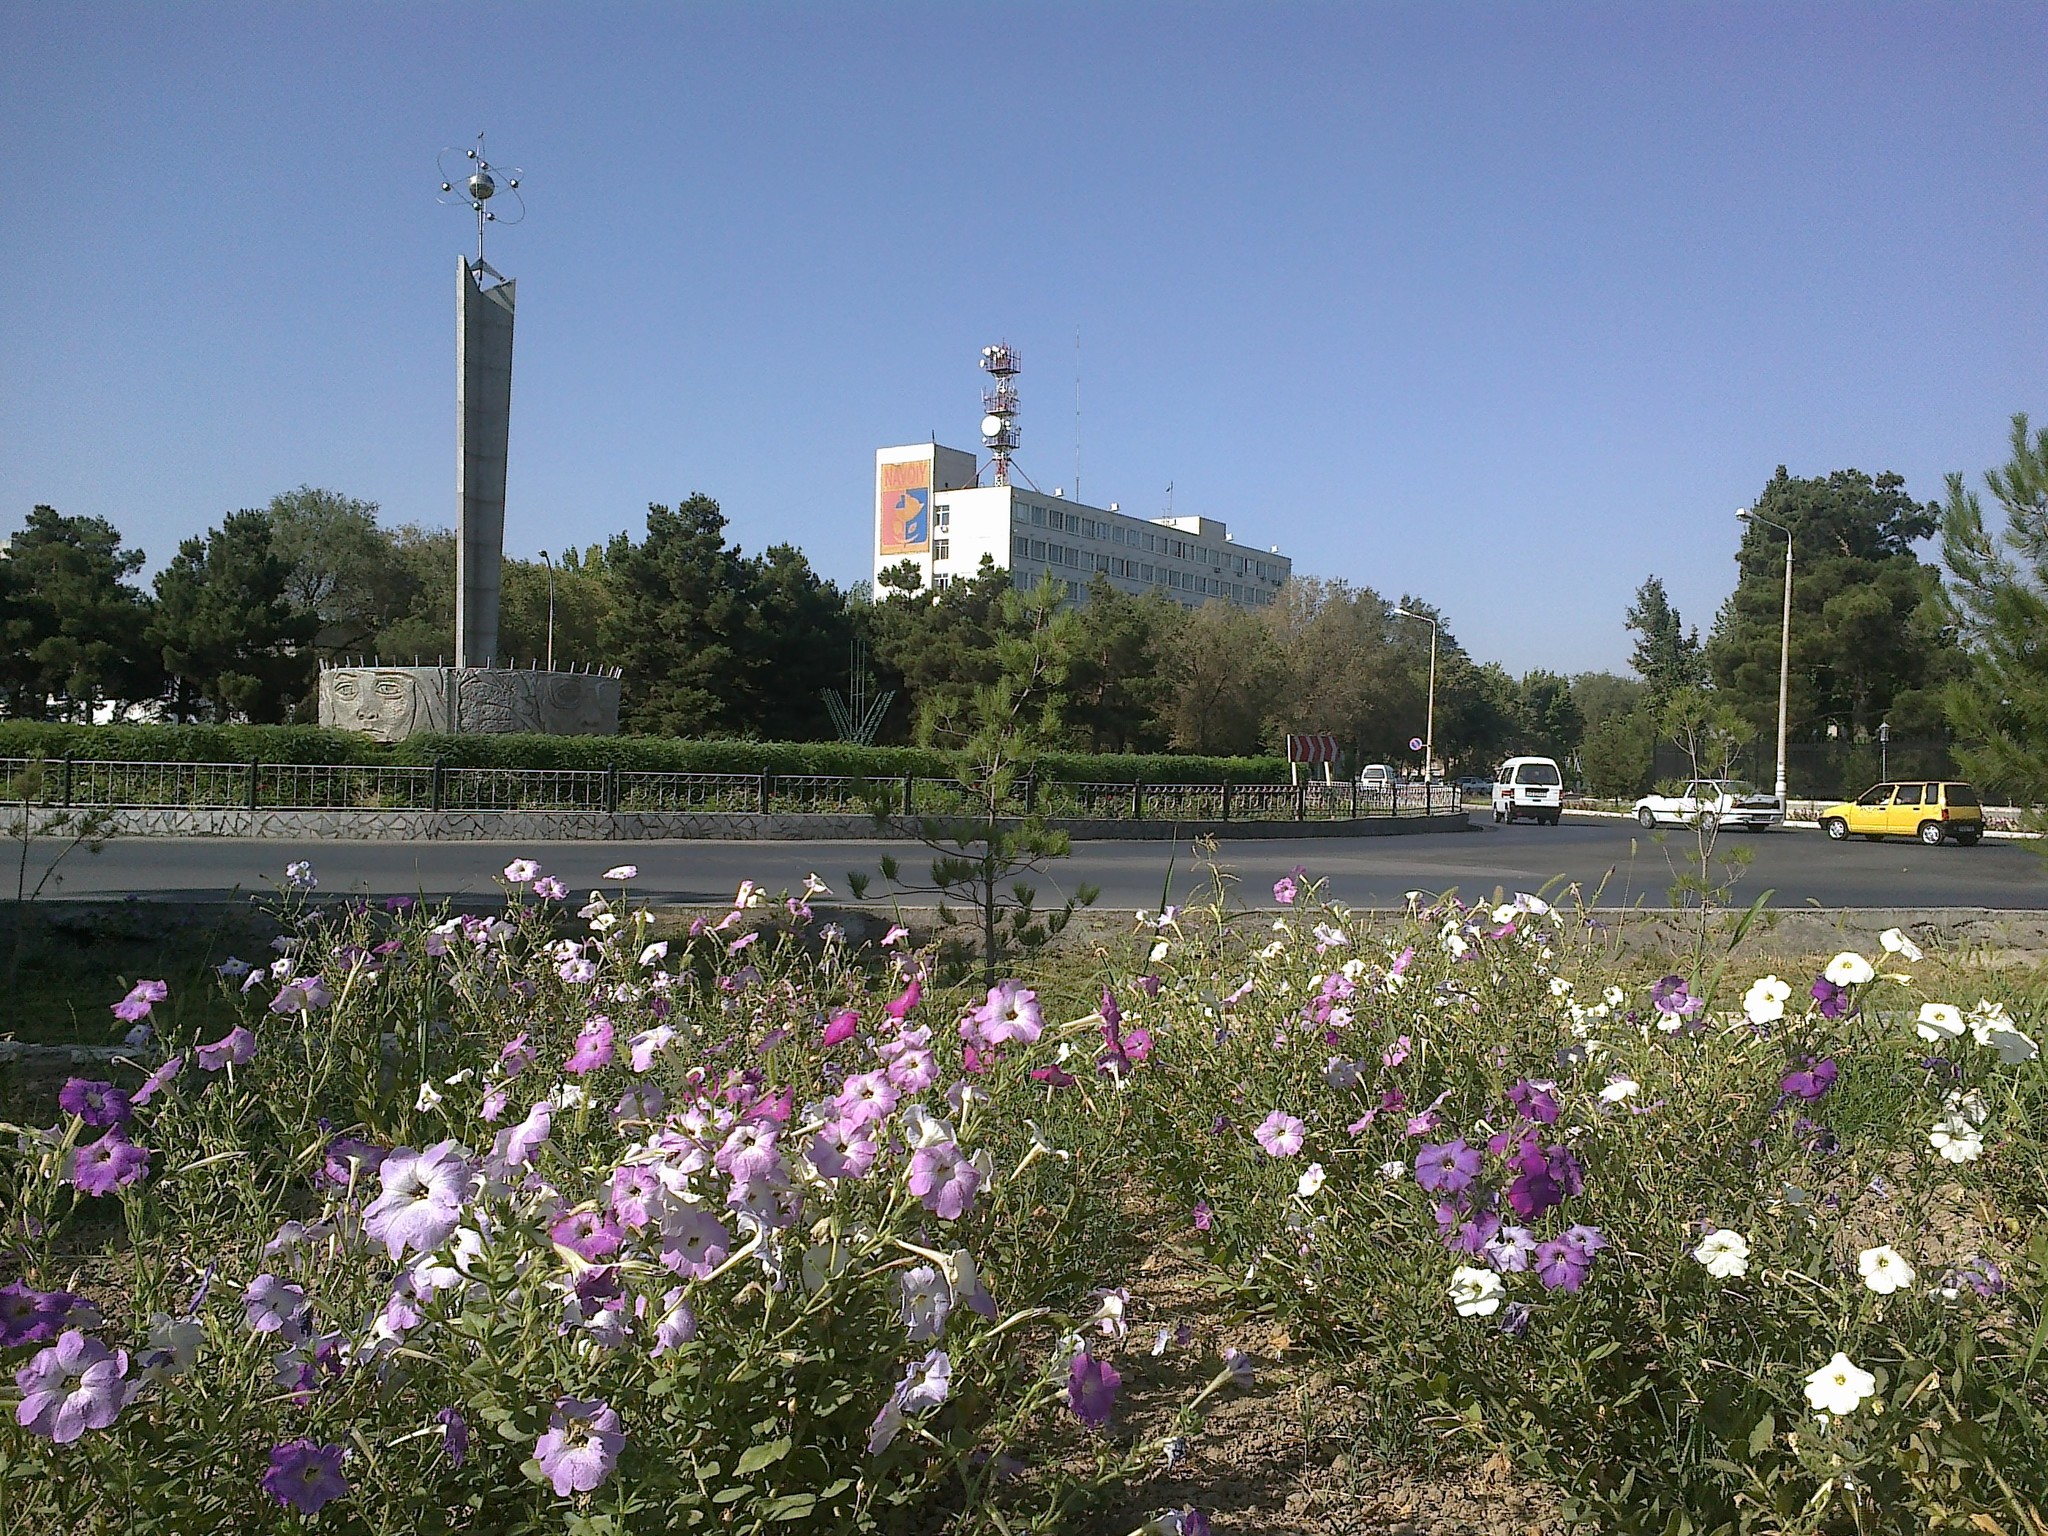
point(903, 505)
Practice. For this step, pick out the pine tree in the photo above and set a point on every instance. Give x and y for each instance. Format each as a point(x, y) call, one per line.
point(1667, 654)
point(71, 626)
point(1997, 596)
point(226, 627)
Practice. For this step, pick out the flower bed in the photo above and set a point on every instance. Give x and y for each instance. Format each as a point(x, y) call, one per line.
point(543, 1220)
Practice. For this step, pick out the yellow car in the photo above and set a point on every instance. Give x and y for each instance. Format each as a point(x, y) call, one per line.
point(1934, 813)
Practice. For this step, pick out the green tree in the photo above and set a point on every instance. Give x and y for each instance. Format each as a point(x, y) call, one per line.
point(1224, 671)
point(1667, 655)
point(1998, 598)
point(935, 648)
point(344, 568)
point(795, 646)
point(71, 625)
point(1116, 675)
point(583, 605)
point(423, 626)
point(678, 622)
point(1547, 720)
point(1869, 637)
point(227, 630)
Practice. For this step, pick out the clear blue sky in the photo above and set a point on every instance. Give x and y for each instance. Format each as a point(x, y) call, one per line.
point(1504, 306)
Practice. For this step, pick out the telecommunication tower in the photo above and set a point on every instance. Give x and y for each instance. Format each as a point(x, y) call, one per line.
point(999, 425)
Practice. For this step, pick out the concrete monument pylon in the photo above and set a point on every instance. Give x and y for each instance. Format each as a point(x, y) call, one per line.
point(480, 692)
point(483, 409)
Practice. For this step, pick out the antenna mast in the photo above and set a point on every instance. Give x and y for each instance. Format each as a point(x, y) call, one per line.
point(999, 425)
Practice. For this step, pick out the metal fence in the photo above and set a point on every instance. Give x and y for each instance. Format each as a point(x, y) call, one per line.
point(67, 782)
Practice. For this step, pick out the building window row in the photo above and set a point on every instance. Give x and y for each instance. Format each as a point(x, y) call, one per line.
point(1149, 542)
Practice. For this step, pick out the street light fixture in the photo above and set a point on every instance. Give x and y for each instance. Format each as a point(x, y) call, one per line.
point(1429, 728)
point(551, 608)
point(1784, 646)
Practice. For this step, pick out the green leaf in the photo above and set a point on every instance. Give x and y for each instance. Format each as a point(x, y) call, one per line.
point(1761, 1437)
point(758, 1456)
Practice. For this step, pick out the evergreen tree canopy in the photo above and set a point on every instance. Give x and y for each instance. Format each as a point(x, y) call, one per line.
point(1869, 641)
point(1998, 597)
point(1667, 654)
point(226, 626)
point(71, 625)
point(679, 623)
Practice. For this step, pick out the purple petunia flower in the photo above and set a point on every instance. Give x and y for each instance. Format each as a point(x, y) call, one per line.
point(1204, 1217)
point(113, 1162)
point(1447, 1167)
point(142, 997)
point(1534, 1102)
point(30, 1316)
point(231, 1049)
point(593, 1047)
point(350, 1159)
point(550, 888)
point(516, 1145)
point(305, 1475)
point(98, 1104)
point(588, 1234)
point(678, 1324)
point(1672, 997)
point(273, 1306)
point(943, 1178)
point(1011, 1014)
point(157, 1081)
point(1285, 890)
point(842, 1026)
point(1831, 999)
point(693, 1242)
point(302, 995)
point(577, 971)
point(454, 1436)
point(843, 1149)
point(1280, 1134)
point(422, 1199)
point(581, 1445)
point(74, 1385)
point(1091, 1389)
point(1811, 1081)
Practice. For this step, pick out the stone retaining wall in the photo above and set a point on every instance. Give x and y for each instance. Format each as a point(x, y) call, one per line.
point(627, 826)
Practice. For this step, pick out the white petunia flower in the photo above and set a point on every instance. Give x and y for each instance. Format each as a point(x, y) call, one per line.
point(1725, 1253)
point(1559, 987)
point(1849, 969)
point(1840, 1386)
point(429, 1098)
point(1939, 1021)
point(1476, 1292)
point(2013, 1046)
point(1764, 1002)
point(1956, 1139)
point(1393, 1171)
point(623, 872)
point(1884, 1269)
point(1614, 997)
point(1619, 1088)
point(1896, 943)
point(1310, 1181)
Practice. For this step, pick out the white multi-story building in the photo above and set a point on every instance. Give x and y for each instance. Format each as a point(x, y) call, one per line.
point(930, 510)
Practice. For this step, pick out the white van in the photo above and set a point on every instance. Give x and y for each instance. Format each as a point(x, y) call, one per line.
point(1528, 787)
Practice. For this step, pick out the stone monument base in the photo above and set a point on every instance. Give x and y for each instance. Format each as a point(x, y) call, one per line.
point(392, 703)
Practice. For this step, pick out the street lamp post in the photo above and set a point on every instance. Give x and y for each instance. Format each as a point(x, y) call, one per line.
point(1784, 647)
point(551, 609)
point(1429, 726)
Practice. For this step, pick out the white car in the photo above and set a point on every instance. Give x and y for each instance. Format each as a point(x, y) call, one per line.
point(1713, 803)
point(1528, 787)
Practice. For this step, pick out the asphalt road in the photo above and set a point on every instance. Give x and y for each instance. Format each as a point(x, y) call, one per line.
point(1637, 868)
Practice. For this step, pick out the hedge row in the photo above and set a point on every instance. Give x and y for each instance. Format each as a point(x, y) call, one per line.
point(658, 754)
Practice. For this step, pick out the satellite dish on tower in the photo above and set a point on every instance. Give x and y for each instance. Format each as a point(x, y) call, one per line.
point(991, 426)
